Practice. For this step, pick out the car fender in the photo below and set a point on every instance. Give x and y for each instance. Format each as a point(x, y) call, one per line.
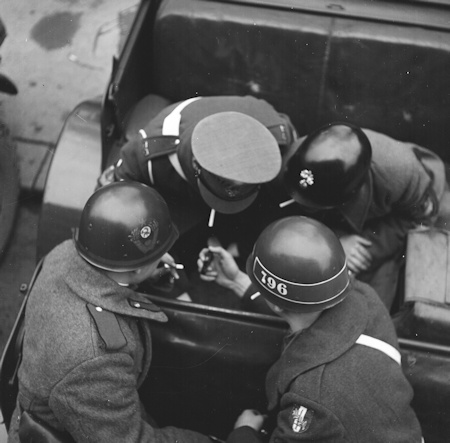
point(72, 177)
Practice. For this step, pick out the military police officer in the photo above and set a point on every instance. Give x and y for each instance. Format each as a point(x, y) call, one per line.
point(208, 156)
point(339, 376)
point(87, 344)
point(369, 188)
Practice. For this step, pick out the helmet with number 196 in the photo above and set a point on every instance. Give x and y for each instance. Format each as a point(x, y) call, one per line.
point(299, 264)
point(124, 226)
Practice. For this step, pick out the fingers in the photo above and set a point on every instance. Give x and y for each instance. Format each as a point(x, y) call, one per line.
point(167, 270)
point(358, 263)
point(363, 241)
point(212, 276)
point(207, 274)
point(359, 258)
point(363, 254)
point(204, 265)
point(203, 253)
point(170, 266)
point(218, 250)
point(167, 258)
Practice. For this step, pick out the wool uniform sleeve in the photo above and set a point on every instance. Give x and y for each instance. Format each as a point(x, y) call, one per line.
point(98, 402)
point(388, 236)
point(303, 420)
point(406, 177)
point(132, 164)
point(406, 182)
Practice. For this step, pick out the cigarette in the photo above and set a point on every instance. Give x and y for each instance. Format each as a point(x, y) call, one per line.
point(173, 265)
point(211, 218)
point(255, 295)
point(286, 203)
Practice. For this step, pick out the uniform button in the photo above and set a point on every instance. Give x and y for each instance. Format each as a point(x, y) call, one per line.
point(137, 305)
point(177, 141)
point(99, 309)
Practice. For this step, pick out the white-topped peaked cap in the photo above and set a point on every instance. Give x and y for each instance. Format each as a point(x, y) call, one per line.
point(236, 146)
point(233, 146)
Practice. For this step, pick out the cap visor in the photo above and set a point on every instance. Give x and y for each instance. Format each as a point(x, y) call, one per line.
point(225, 206)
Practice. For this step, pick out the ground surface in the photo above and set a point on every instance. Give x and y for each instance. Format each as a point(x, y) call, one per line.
point(58, 53)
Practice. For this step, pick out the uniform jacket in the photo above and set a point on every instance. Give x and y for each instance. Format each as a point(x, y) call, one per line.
point(148, 161)
point(402, 177)
point(326, 388)
point(80, 374)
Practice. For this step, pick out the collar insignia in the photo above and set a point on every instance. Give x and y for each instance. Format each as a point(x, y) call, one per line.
point(301, 418)
point(306, 178)
point(145, 141)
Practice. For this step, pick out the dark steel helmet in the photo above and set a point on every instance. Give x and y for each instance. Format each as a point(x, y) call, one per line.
point(124, 226)
point(299, 264)
point(329, 166)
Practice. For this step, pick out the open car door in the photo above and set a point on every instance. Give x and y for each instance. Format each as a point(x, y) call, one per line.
point(210, 363)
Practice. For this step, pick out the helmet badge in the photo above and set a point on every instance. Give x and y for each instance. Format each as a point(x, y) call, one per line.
point(306, 178)
point(146, 231)
point(145, 236)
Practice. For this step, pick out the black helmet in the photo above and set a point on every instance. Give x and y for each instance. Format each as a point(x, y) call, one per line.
point(299, 264)
point(124, 226)
point(329, 166)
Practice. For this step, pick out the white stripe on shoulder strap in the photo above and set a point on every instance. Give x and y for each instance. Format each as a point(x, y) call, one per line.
point(171, 124)
point(382, 346)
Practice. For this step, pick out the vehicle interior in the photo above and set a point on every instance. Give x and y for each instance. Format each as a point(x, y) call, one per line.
point(382, 65)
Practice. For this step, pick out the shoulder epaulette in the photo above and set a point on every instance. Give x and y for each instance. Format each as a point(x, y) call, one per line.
point(279, 132)
point(108, 327)
point(163, 145)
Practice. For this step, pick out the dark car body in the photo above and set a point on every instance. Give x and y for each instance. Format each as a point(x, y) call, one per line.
point(383, 65)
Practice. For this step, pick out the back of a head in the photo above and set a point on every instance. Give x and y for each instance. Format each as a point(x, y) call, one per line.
point(329, 166)
point(299, 265)
point(124, 226)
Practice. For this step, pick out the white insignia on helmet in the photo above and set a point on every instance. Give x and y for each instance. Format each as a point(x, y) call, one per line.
point(146, 231)
point(306, 178)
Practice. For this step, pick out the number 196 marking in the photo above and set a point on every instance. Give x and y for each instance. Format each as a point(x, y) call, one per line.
point(271, 283)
